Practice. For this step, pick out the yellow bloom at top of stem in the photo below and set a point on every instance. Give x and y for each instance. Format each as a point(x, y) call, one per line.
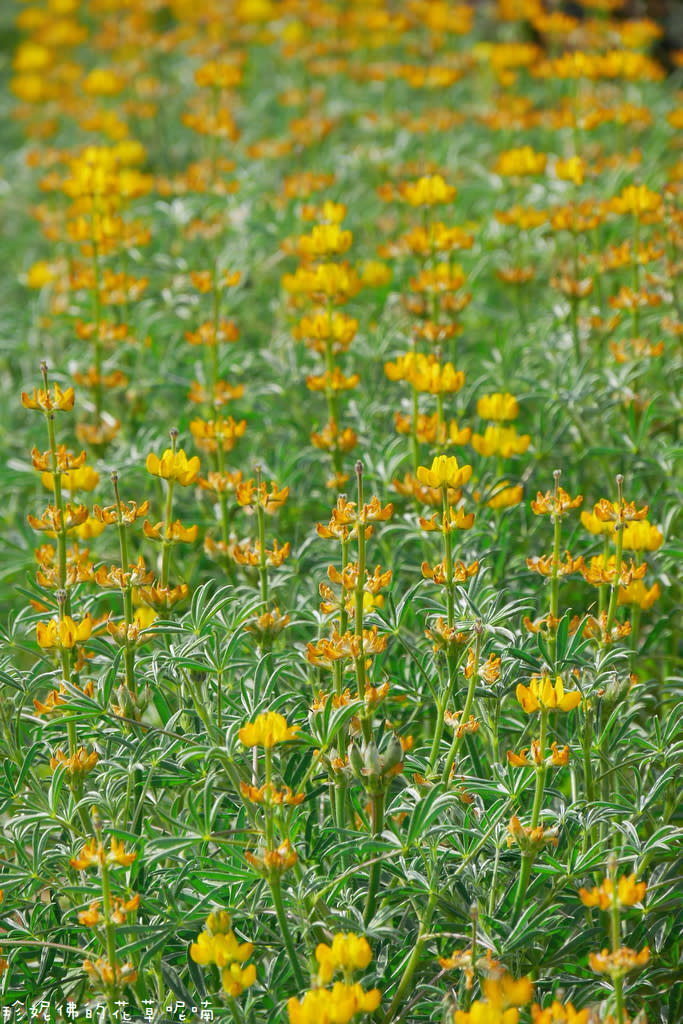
point(337, 1005)
point(325, 240)
point(556, 1013)
point(636, 199)
point(638, 535)
point(637, 593)
point(217, 945)
point(641, 536)
point(543, 694)
point(618, 963)
point(498, 407)
point(94, 854)
point(61, 401)
point(427, 191)
point(520, 162)
point(348, 952)
point(174, 466)
point(220, 948)
point(618, 512)
point(497, 440)
point(629, 892)
point(444, 470)
point(82, 478)
point(502, 997)
point(554, 503)
point(455, 520)
point(248, 494)
point(572, 169)
point(79, 763)
point(64, 633)
point(266, 730)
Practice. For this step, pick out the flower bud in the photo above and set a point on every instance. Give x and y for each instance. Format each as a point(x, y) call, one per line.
point(394, 754)
point(355, 760)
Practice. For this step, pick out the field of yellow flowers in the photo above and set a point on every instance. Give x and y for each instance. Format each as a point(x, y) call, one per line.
point(341, 362)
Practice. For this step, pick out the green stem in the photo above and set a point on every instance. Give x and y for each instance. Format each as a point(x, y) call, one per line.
point(275, 888)
point(469, 700)
point(529, 855)
point(377, 813)
point(555, 583)
point(262, 566)
point(360, 660)
point(612, 608)
point(108, 923)
point(614, 938)
point(413, 960)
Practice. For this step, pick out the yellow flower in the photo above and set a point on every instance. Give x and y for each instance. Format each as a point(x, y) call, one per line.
point(339, 1004)
point(427, 191)
point(94, 854)
point(636, 199)
point(498, 407)
point(79, 763)
point(637, 593)
point(572, 169)
point(80, 478)
point(62, 401)
point(174, 466)
point(506, 497)
point(543, 694)
point(618, 963)
point(594, 525)
point(629, 892)
point(64, 633)
point(641, 536)
point(498, 440)
point(444, 470)
point(325, 240)
point(348, 951)
point(268, 729)
point(171, 532)
point(520, 162)
point(554, 503)
point(556, 1013)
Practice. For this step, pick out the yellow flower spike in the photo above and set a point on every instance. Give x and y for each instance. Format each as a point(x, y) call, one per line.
point(348, 952)
point(636, 593)
point(79, 763)
point(520, 162)
point(427, 191)
point(497, 440)
point(235, 978)
point(573, 169)
point(618, 963)
point(175, 533)
point(559, 757)
point(63, 633)
point(594, 525)
point(60, 401)
point(556, 1013)
point(629, 892)
point(444, 470)
point(641, 536)
point(174, 466)
point(543, 694)
point(498, 407)
point(519, 760)
point(81, 478)
point(266, 730)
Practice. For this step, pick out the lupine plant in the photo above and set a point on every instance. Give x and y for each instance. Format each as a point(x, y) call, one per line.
point(339, 646)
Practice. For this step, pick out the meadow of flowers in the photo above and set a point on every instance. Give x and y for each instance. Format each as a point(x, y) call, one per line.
point(341, 375)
